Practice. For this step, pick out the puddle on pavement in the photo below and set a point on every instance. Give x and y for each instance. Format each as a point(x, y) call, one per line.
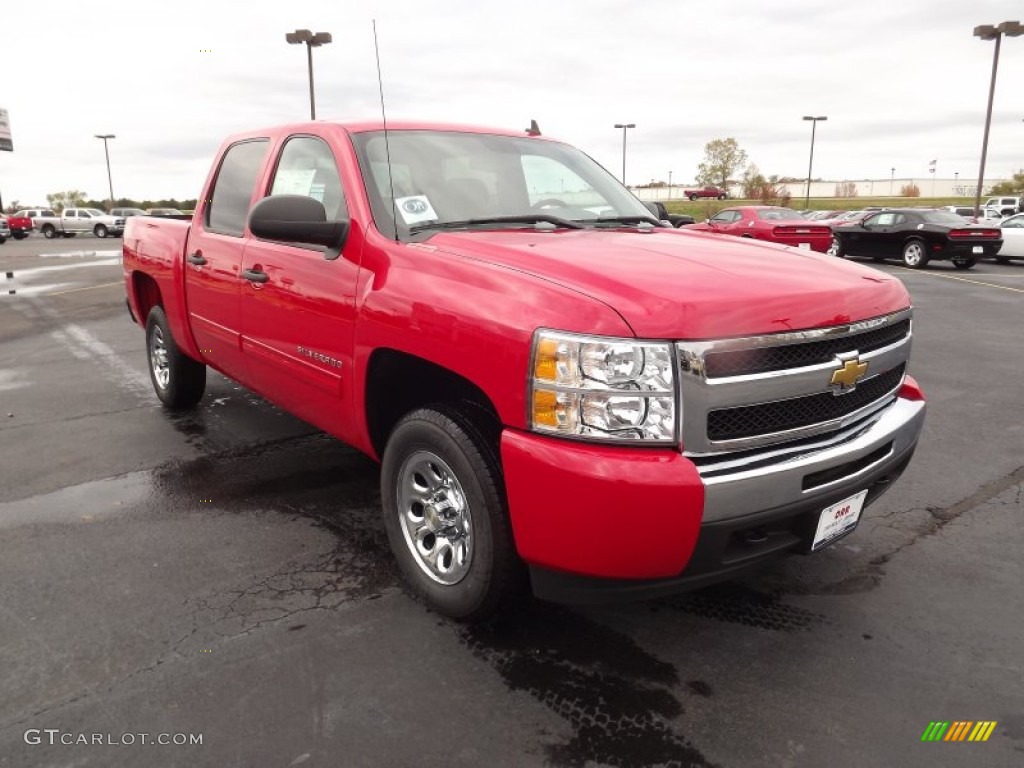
point(617, 698)
point(88, 502)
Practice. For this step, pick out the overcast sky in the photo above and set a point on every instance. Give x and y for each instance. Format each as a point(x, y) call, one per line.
point(902, 82)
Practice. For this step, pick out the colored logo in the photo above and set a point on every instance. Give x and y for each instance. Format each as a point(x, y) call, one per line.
point(414, 206)
point(845, 378)
point(959, 730)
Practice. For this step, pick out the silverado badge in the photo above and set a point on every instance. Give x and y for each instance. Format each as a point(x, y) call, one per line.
point(845, 378)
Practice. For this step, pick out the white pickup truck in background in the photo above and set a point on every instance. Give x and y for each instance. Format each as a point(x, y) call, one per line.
point(73, 221)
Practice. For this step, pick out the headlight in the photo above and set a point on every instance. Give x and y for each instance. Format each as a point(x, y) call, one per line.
point(602, 388)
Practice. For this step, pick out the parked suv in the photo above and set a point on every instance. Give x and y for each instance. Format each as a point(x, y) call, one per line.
point(1007, 206)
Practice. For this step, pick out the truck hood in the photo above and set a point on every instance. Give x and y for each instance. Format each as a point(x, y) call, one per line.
point(675, 284)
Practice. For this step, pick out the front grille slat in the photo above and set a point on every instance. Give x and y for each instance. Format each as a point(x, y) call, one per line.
point(764, 359)
point(783, 415)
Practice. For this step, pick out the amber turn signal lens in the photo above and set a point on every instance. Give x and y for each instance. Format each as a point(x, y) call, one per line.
point(545, 408)
point(545, 365)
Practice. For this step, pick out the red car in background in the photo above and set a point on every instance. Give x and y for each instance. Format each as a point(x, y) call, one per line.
point(20, 225)
point(771, 223)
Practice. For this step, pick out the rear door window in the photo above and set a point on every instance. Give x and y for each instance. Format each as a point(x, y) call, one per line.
point(236, 179)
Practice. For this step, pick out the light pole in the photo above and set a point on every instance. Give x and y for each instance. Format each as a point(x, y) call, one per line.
point(624, 127)
point(110, 183)
point(810, 165)
point(670, 185)
point(892, 180)
point(312, 41)
point(990, 32)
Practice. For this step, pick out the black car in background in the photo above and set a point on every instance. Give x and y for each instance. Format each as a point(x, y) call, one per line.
point(917, 236)
point(675, 219)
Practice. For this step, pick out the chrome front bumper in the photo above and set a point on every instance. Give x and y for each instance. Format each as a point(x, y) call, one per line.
point(797, 474)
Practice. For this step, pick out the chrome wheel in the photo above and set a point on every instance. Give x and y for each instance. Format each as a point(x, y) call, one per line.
point(435, 517)
point(833, 248)
point(158, 359)
point(913, 254)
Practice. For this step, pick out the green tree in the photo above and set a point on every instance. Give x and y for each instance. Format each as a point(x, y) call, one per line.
point(722, 159)
point(1014, 186)
point(71, 198)
point(753, 182)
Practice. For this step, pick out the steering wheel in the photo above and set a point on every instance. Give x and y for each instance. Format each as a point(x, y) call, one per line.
point(549, 202)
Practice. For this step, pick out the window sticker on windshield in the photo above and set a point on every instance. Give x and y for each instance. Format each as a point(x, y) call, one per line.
point(415, 209)
point(293, 181)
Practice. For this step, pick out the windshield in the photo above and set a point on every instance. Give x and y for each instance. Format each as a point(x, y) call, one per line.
point(942, 217)
point(95, 212)
point(778, 214)
point(448, 177)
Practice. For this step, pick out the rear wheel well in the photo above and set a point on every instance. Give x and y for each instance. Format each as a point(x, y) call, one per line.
point(398, 383)
point(147, 295)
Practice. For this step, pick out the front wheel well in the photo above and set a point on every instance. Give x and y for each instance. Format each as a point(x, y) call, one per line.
point(398, 383)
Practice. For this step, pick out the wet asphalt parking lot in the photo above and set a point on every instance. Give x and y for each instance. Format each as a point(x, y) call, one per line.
point(224, 574)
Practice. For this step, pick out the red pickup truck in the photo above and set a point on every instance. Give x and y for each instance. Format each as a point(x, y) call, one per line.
point(555, 383)
point(20, 224)
point(716, 192)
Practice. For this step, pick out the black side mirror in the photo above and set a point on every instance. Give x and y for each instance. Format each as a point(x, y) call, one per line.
point(298, 219)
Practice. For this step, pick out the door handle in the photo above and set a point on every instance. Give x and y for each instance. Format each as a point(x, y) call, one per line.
point(196, 258)
point(255, 275)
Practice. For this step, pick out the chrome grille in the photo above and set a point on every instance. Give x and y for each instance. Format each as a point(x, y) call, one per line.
point(785, 415)
point(738, 362)
point(751, 393)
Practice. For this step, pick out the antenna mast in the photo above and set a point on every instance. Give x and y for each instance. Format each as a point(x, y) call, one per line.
point(387, 146)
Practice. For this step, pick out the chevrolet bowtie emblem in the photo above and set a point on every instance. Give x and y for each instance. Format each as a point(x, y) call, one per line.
point(845, 378)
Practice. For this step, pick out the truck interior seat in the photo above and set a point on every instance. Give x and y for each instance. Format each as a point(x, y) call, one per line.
point(469, 197)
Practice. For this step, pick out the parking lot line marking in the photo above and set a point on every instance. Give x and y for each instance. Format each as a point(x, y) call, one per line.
point(963, 280)
point(86, 288)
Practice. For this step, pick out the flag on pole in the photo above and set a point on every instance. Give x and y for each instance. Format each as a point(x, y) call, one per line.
point(932, 164)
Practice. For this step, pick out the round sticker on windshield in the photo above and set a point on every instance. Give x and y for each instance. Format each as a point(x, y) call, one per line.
point(415, 209)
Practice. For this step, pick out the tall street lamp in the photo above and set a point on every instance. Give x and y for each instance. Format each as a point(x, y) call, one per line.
point(670, 185)
point(990, 32)
point(892, 180)
point(624, 127)
point(110, 182)
point(810, 165)
point(312, 41)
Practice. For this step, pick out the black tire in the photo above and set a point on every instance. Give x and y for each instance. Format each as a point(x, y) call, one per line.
point(100, 230)
point(178, 380)
point(451, 454)
point(49, 232)
point(3, 240)
point(692, 198)
point(70, 234)
point(915, 254)
point(835, 248)
point(721, 197)
point(19, 235)
point(964, 263)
